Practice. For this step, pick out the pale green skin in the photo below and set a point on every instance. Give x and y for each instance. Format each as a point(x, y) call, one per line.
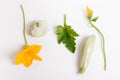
point(87, 49)
point(39, 28)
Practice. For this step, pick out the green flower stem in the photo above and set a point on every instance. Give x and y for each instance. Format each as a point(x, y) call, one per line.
point(24, 24)
point(103, 42)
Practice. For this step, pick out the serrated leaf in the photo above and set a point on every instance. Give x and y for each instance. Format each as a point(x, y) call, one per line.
point(67, 35)
point(95, 19)
point(69, 42)
point(60, 33)
point(71, 31)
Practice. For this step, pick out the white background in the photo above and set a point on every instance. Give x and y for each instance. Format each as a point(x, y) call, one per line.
point(58, 63)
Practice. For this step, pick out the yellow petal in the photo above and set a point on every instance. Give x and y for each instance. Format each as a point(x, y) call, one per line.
point(27, 61)
point(89, 12)
point(37, 58)
point(20, 56)
point(35, 48)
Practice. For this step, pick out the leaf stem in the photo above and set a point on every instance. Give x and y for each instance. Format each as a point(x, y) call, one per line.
point(103, 42)
point(64, 19)
point(24, 24)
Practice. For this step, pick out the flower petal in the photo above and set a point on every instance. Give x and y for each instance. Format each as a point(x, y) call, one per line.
point(37, 58)
point(20, 56)
point(89, 12)
point(35, 48)
point(27, 61)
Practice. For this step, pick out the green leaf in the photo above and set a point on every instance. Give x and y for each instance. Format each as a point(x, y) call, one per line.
point(70, 44)
point(71, 31)
point(95, 19)
point(66, 35)
point(60, 33)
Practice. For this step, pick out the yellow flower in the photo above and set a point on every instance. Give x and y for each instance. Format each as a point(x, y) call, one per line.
point(27, 55)
point(89, 12)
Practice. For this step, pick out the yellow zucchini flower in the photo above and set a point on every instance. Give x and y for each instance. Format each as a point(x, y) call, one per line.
point(91, 22)
point(89, 12)
point(28, 54)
